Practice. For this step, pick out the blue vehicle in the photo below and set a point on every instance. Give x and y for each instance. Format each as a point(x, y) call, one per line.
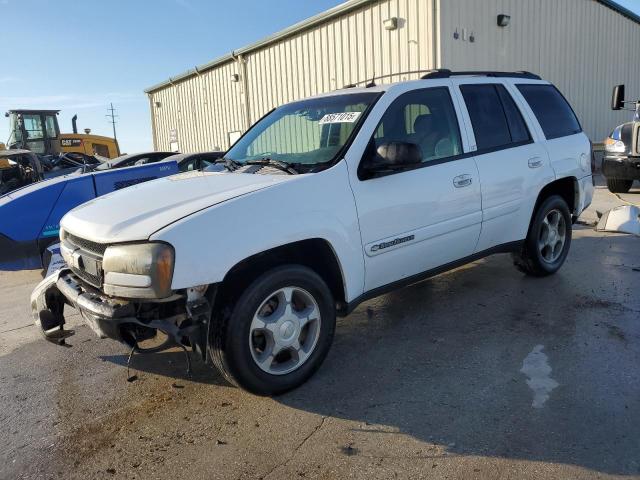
point(30, 216)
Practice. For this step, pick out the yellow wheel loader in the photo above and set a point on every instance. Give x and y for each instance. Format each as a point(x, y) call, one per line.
point(38, 131)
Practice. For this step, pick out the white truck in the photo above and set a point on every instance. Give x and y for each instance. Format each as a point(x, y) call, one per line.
point(621, 162)
point(321, 205)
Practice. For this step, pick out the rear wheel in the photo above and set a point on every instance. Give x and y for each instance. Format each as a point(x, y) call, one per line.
point(617, 185)
point(277, 333)
point(548, 241)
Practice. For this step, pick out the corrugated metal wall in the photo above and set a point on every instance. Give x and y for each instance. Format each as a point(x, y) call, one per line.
point(582, 46)
point(348, 48)
point(202, 109)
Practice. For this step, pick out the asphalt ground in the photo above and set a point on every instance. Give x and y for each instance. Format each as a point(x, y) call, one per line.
point(477, 373)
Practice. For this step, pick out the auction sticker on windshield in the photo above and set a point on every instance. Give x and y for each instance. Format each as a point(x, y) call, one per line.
point(344, 117)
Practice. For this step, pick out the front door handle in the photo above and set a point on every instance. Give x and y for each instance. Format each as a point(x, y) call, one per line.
point(462, 181)
point(535, 162)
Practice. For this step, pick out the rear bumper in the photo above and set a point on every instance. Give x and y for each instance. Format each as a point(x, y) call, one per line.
point(621, 167)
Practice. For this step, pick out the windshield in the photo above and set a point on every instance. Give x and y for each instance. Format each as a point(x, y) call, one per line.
point(309, 132)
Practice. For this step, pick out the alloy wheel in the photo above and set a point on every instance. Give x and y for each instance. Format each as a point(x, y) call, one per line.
point(284, 330)
point(552, 237)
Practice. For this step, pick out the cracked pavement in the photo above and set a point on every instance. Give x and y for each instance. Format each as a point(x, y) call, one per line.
point(425, 382)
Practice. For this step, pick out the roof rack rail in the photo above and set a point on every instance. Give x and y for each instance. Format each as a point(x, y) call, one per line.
point(446, 73)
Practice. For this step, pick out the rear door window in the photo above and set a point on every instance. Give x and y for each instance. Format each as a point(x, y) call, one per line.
point(487, 116)
point(496, 120)
point(517, 126)
point(553, 112)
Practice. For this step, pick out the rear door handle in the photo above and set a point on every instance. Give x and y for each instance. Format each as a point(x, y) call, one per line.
point(535, 162)
point(462, 181)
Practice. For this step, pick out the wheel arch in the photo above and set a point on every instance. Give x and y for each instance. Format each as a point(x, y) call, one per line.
point(566, 187)
point(315, 253)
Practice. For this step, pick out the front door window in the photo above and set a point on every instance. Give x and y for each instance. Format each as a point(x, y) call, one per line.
point(425, 118)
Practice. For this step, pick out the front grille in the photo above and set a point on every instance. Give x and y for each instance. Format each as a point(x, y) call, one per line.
point(85, 253)
point(86, 245)
point(94, 281)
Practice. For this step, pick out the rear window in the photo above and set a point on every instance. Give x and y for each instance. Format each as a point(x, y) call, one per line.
point(551, 109)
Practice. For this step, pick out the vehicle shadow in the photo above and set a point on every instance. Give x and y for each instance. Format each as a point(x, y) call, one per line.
point(441, 361)
point(171, 363)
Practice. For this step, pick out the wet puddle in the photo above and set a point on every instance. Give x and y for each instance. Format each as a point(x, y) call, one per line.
point(536, 367)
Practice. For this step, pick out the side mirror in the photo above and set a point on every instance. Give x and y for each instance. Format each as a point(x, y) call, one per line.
point(391, 156)
point(617, 98)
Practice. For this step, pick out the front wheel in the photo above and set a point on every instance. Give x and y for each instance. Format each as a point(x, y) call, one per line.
point(278, 332)
point(547, 244)
point(617, 185)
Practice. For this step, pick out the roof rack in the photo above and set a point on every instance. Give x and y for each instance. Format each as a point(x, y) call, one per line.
point(446, 73)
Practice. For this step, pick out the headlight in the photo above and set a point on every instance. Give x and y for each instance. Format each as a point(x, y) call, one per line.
point(614, 146)
point(141, 270)
point(614, 143)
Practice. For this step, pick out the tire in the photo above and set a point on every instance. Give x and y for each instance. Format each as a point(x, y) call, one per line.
point(617, 185)
point(540, 261)
point(237, 342)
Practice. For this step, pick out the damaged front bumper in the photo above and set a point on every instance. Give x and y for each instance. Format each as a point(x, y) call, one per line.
point(184, 320)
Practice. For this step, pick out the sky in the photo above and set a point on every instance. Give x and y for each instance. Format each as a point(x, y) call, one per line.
point(78, 56)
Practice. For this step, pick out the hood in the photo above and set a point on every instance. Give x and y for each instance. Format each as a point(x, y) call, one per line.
point(136, 212)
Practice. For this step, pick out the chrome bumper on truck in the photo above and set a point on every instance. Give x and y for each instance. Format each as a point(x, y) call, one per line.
point(184, 321)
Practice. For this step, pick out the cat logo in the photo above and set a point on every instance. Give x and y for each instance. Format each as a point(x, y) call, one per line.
point(71, 142)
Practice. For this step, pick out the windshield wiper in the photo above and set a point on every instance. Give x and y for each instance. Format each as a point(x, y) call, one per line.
point(229, 164)
point(280, 165)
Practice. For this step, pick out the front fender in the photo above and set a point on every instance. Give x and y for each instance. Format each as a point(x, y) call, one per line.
point(320, 205)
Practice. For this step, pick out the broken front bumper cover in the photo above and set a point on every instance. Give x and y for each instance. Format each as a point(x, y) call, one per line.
point(622, 219)
point(115, 318)
point(101, 313)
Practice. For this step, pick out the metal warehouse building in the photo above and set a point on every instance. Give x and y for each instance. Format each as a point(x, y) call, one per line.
point(583, 46)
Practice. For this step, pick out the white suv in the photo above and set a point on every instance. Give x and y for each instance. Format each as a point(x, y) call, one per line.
point(322, 204)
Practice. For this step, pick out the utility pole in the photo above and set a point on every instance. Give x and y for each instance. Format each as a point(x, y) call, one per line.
point(113, 119)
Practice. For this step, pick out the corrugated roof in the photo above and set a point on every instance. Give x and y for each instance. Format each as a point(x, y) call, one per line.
point(311, 22)
point(621, 10)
